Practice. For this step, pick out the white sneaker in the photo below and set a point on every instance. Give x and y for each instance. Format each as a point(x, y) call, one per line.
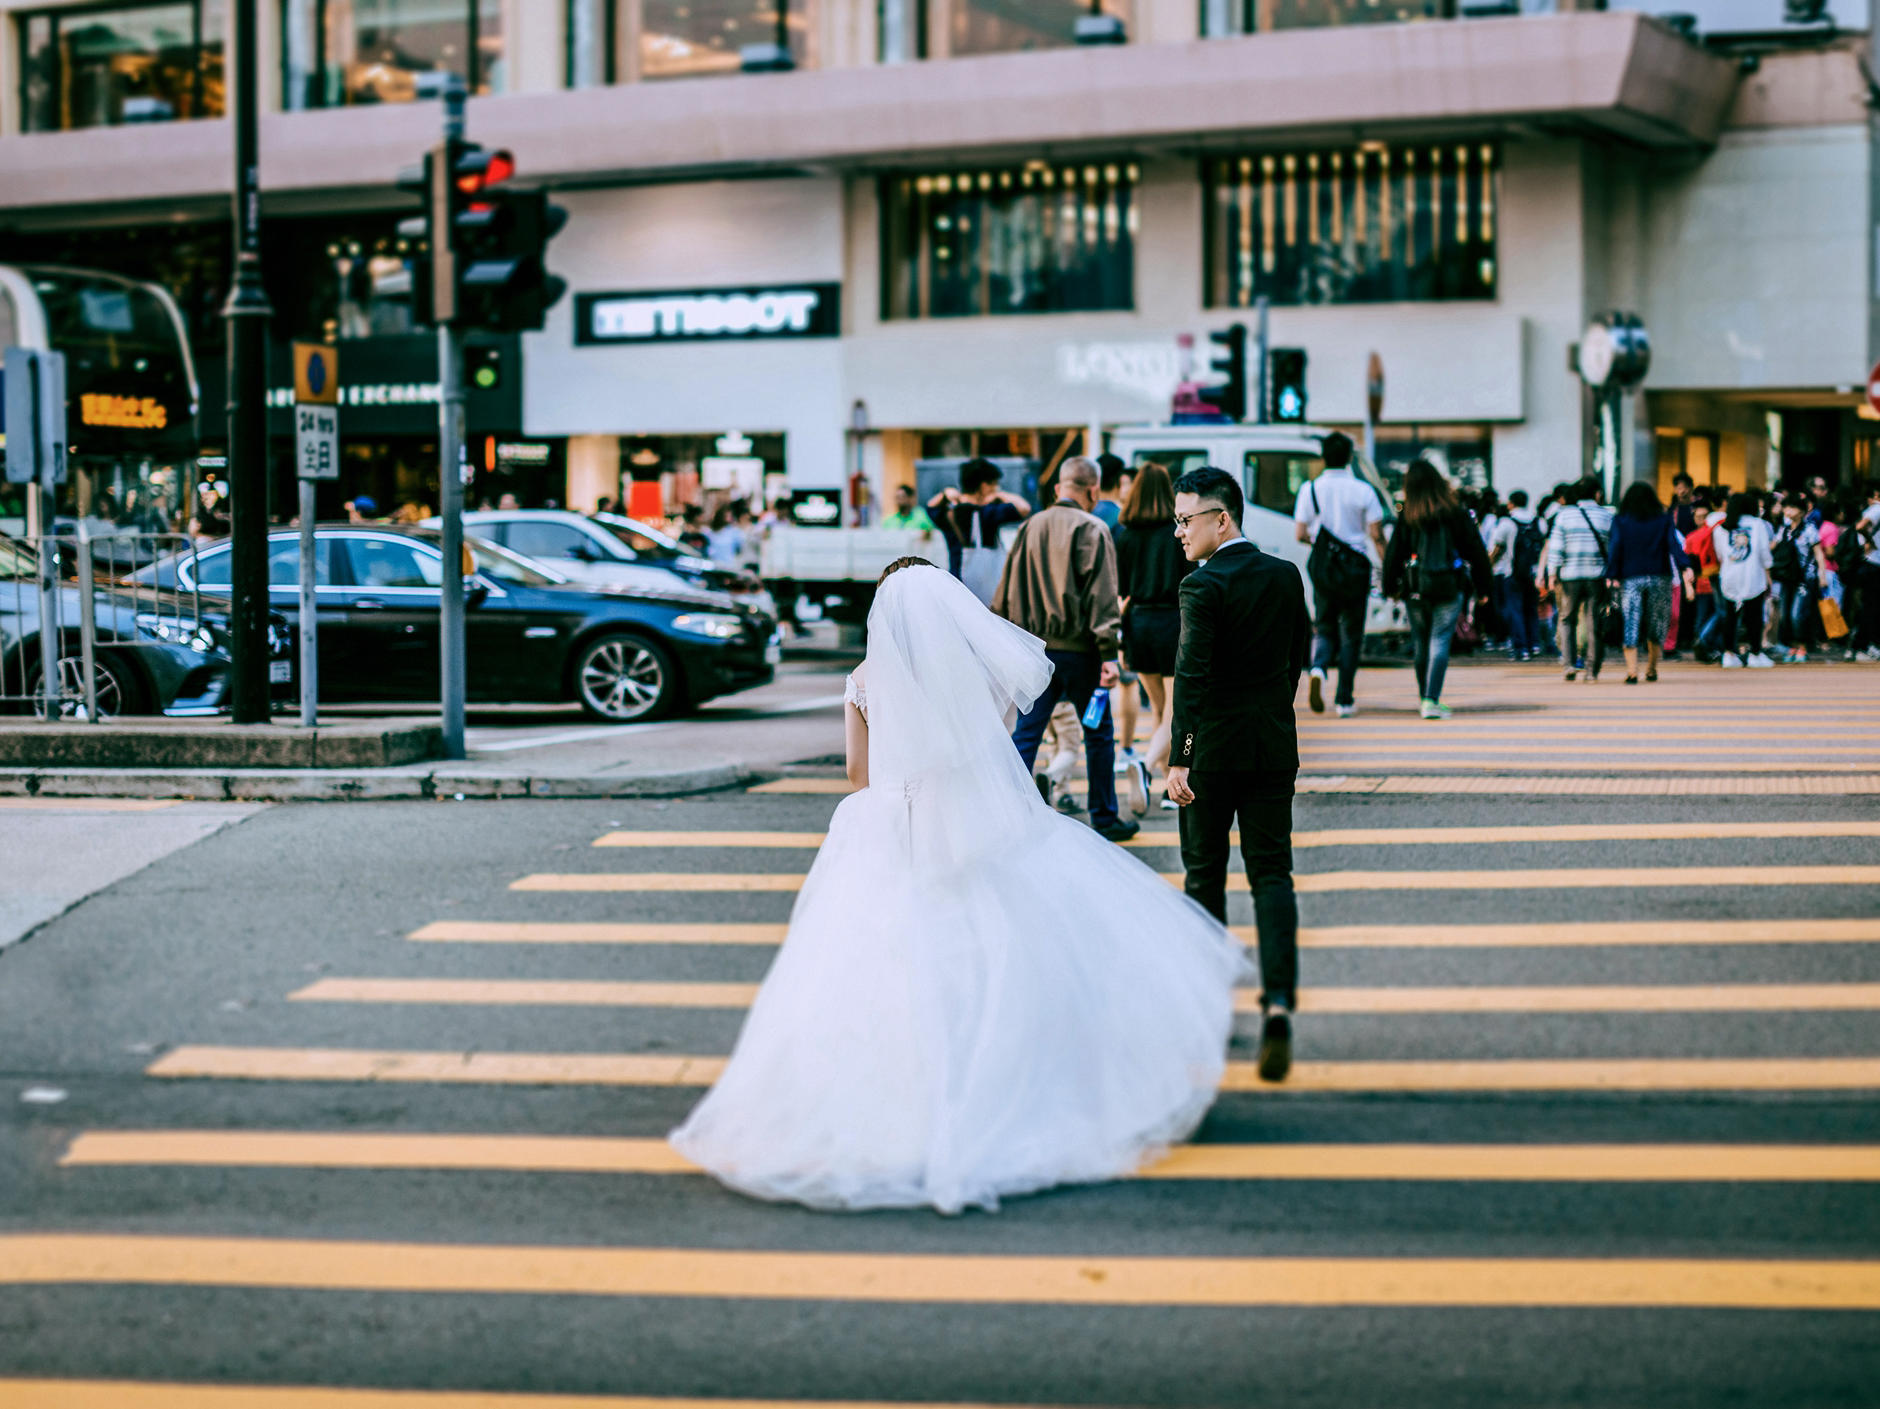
point(1872, 653)
point(1759, 661)
point(1732, 661)
point(1346, 711)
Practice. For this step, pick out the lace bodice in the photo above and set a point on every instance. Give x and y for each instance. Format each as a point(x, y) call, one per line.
point(854, 693)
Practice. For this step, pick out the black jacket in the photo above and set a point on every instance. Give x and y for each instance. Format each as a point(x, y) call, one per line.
point(1467, 539)
point(1245, 633)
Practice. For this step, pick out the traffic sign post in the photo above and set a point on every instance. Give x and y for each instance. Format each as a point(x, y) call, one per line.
point(1873, 389)
point(316, 458)
point(1373, 405)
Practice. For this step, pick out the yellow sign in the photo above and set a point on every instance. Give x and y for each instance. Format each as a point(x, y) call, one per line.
point(135, 413)
point(316, 374)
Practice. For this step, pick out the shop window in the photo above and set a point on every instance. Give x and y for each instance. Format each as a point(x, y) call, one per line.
point(335, 53)
point(688, 38)
point(325, 277)
point(1033, 239)
point(102, 66)
point(1223, 17)
point(589, 29)
point(1004, 26)
point(900, 31)
point(1369, 224)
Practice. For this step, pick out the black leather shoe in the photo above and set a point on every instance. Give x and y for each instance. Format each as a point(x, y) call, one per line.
point(1276, 1046)
point(1118, 831)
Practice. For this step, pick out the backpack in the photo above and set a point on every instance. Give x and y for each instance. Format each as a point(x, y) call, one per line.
point(1529, 543)
point(1436, 573)
point(1785, 561)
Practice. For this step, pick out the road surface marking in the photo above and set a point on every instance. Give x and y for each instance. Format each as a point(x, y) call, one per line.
point(1655, 998)
point(574, 736)
point(1306, 883)
point(612, 1069)
point(559, 1154)
point(1814, 780)
point(1354, 836)
point(128, 1394)
point(909, 1278)
point(86, 804)
point(582, 932)
point(801, 785)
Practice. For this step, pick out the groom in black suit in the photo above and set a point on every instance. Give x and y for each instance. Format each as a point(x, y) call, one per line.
point(1235, 749)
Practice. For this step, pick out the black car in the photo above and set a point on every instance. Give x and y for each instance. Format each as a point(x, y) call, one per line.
point(158, 651)
point(529, 635)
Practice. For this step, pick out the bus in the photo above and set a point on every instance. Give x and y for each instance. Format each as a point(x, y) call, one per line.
point(131, 397)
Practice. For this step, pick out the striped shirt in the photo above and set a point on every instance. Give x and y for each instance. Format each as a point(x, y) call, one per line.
point(1574, 550)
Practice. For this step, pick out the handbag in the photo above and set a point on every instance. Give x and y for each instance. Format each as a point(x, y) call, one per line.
point(1833, 623)
point(981, 565)
point(1611, 615)
point(1338, 571)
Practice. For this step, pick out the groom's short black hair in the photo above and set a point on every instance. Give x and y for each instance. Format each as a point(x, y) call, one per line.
point(1207, 482)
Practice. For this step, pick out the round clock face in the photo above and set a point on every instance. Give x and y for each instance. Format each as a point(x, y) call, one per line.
point(1597, 354)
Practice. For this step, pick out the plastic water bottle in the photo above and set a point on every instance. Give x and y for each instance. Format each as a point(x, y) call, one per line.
point(1098, 707)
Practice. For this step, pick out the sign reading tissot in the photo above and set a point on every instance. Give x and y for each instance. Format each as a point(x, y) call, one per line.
point(709, 315)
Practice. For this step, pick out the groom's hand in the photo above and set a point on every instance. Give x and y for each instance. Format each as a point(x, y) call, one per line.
point(1177, 786)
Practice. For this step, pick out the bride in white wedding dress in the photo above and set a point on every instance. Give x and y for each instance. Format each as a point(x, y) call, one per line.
point(977, 997)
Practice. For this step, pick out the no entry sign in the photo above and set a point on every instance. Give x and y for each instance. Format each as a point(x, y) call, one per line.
point(1873, 389)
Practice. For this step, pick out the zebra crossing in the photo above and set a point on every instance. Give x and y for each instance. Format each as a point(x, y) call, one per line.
point(1592, 1048)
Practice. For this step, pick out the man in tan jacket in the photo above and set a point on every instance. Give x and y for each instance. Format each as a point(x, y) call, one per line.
point(1060, 585)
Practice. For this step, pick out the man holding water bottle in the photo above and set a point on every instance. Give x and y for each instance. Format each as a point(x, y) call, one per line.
point(1059, 584)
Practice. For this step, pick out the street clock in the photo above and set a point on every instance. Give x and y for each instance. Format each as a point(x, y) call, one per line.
point(1615, 352)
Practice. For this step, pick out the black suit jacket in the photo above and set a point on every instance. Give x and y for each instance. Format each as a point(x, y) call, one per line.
point(1245, 633)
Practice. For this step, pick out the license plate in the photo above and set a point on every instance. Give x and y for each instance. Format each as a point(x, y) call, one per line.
point(280, 672)
point(773, 653)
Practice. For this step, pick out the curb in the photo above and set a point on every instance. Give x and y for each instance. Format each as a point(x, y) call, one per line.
point(359, 785)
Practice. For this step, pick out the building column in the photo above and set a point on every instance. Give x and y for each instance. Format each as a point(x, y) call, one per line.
point(593, 471)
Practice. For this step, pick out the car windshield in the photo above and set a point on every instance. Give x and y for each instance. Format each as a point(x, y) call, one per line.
point(642, 540)
point(16, 561)
point(505, 566)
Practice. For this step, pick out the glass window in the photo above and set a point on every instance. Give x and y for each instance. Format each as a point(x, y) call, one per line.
point(684, 38)
point(1002, 26)
point(1176, 462)
point(212, 570)
point(1369, 224)
point(388, 562)
point(1272, 479)
point(546, 540)
point(99, 67)
point(1219, 17)
point(900, 31)
point(1033, 239)
point(341, 52)
point(591, 38)
point(284, 562)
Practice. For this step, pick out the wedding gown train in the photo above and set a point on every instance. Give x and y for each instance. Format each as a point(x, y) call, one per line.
point(977, 997)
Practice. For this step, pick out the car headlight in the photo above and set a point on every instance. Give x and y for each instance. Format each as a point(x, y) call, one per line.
point(712, 624)
point(176, 631)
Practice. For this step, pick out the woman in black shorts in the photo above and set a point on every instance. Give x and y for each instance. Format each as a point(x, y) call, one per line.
point(1150, 566)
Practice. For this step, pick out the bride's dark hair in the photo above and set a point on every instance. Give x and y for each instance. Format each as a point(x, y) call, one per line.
point(899, 563)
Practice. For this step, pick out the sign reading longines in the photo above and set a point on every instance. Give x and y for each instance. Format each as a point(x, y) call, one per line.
point(709, 315)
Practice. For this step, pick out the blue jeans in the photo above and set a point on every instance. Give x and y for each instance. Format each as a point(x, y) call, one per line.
point(1795, 622)
point(1709, 622)
point(1338, 634)
point(1074, 676)
point(1432, 626)
point(1519, 603)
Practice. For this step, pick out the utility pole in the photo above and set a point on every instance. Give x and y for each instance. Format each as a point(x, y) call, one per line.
point(248, 315)
point(1261, 346)
point(450, 454)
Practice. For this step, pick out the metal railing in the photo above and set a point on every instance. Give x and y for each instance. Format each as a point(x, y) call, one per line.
point(89, 595)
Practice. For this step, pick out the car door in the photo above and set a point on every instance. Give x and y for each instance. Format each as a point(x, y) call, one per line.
point(390, 617)
point(284, 598)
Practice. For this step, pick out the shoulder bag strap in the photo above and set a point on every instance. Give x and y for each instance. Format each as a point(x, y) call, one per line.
point(1587, 519)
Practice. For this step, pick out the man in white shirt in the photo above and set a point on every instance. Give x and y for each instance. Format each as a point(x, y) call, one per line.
point(1347, 511)
point(1514, 575)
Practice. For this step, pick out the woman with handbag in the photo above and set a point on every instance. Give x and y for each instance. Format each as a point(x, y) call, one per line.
point(1434, 564)
point(1645, 560)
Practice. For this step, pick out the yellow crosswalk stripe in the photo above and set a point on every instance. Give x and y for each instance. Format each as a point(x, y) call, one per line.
point(912, 1278)
point(1594, 779)
point(801, 785)
point(1308, 883)
point(1594, 933)
point(86, 804)
point(612, 1069)
point(1347, 836)
point(1655, 998)
point(575, 1154)
point(1678, 748)
point(131, 1394)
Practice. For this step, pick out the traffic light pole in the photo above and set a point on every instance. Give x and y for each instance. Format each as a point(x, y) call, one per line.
point(1263, 383)
point(450, 447)
point(248, 313)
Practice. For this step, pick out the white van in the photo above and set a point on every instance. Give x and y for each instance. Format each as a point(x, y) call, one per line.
point(1273, 462)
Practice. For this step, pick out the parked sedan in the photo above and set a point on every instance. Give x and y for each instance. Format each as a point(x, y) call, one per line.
point(157, 651)
point(530, 634)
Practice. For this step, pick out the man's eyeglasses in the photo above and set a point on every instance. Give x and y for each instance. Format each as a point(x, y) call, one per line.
point(1183, 520)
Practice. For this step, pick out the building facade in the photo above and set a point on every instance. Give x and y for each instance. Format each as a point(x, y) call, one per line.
point(950, 228)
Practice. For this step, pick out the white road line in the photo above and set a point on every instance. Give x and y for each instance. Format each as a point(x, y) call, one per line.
point(599, 731)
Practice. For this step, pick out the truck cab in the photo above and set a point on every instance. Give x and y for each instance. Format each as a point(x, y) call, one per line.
point(1273, 462)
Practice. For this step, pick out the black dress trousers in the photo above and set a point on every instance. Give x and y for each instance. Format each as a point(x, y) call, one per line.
point(1262, 804)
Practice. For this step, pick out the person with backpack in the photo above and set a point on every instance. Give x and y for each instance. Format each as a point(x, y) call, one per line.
point(1860, 570)
point(1341, 516)
point(1795, 568)
point(1576, 573)
point(1643, 566)
point(1742, 542)
point(1706, 621)
point(1515, 553)
point(1434, 564)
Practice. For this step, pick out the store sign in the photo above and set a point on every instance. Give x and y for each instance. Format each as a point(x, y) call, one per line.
point(130, 413)
point(523, 452)
point(691, 315)
point(371, 394)
point(1149, 371)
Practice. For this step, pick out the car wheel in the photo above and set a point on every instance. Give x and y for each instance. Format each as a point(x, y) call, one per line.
point(118, 690)
point(625, 679)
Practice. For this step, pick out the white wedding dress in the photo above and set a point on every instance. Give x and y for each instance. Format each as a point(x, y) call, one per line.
point(977, 996)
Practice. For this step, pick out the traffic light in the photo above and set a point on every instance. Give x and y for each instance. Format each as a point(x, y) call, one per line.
point(483, 367)
point(1230, 399)
point(1287, 376)
point(484, 243)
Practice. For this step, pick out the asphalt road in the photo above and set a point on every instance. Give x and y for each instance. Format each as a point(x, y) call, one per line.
point(216, 1270)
